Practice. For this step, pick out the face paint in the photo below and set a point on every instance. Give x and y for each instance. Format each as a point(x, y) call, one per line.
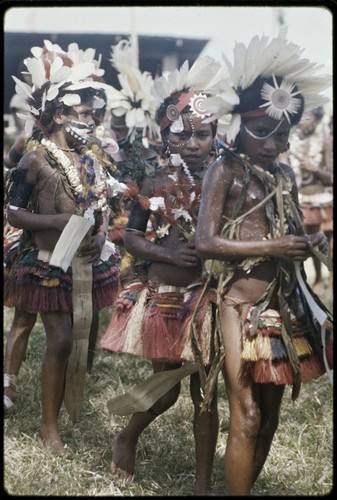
point(177, 125)
point(262, 137)
point(79, 131)
point(183, 133)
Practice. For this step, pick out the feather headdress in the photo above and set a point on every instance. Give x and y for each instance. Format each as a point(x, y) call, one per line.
point(189, 85)
point(134, 100)
point(51, 69)
point(289, 75)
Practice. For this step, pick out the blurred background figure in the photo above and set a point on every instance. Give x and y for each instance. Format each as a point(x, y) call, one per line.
point(14, 133)
point(132, 111)
point(310, 155)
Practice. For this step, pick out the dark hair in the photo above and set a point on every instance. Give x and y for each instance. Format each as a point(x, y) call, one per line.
point(250, 98)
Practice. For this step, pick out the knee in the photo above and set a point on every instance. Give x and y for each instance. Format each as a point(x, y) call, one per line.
point(60, 346)
point(248, 420)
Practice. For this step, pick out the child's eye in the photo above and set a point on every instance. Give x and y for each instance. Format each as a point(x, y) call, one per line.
point(282, 136)
point(261, 132)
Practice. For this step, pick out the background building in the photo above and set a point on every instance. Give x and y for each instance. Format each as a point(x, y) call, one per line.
point(156, 54)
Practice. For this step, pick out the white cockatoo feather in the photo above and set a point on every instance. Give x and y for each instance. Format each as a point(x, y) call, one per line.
point(37, 71)
point(233, 128)
point(161, 89)
point(71, 99)
point(22, 88)
point(81, 71)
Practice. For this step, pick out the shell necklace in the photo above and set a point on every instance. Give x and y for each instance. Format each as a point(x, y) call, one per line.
point(88, 181)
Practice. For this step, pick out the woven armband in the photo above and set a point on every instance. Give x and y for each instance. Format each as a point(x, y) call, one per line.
point(138, 218)
point(20, 194)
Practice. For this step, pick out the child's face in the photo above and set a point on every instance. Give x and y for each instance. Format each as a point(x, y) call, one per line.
point(193, 143)
point(263, 138)
point(308, 124)
point(79, 124)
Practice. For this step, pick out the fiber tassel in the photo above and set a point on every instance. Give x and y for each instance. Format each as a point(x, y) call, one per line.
point(302, 346)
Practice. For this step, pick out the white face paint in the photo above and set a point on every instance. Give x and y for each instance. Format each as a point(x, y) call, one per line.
point(262, 137)
point(177, 126)
point(79, 131)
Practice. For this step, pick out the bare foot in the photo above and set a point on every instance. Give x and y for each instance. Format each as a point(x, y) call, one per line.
point(123, 458)
point(9, 406)
point(54, 444)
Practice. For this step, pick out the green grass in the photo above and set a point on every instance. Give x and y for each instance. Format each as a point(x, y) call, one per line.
point(300, 462)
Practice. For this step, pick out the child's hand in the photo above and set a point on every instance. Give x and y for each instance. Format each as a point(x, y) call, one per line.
point(318, 240)
point(92, 251)
point(186, 256)
point(292, 247)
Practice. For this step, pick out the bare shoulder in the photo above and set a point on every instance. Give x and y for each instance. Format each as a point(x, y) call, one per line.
point(32, 159)
point(33, 162)
point(219, 170)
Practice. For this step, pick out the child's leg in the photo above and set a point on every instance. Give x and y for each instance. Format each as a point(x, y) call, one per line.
point(15, 351)
point(205, 428)
point(59, 344)
point(245, 418)
point(124, 452)
point(270, 396)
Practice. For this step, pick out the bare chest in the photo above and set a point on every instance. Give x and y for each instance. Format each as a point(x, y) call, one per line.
point(246, 195)
point(53, 193)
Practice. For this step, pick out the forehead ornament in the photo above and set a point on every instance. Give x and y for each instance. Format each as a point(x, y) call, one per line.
point(174, 116)
point(197, 105)
point(281, 100)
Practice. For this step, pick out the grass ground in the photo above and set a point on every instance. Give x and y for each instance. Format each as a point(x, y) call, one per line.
point(300, 462)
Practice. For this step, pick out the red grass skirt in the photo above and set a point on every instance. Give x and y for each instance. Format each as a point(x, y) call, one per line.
point(148, 321)
point(265, 355)
point(33, 286)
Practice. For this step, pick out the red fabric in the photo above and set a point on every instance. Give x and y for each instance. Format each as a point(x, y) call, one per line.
point(183, 100)
point(254, 113)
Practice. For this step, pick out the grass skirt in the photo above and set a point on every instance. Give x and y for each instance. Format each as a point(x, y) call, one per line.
point(33, 286)
point(265, 355)
point(152, 322)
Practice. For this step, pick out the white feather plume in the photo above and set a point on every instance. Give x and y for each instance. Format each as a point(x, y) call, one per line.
point(134, 100)
point(47, 65)
point(266, 57)
point(123, 56)
point(205, 75)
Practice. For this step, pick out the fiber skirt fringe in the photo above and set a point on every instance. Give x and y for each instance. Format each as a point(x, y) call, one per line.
point(32, 285)
point(149, 323)
point(265, 354)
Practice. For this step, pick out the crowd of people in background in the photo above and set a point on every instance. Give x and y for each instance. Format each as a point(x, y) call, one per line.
point(188, 203)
